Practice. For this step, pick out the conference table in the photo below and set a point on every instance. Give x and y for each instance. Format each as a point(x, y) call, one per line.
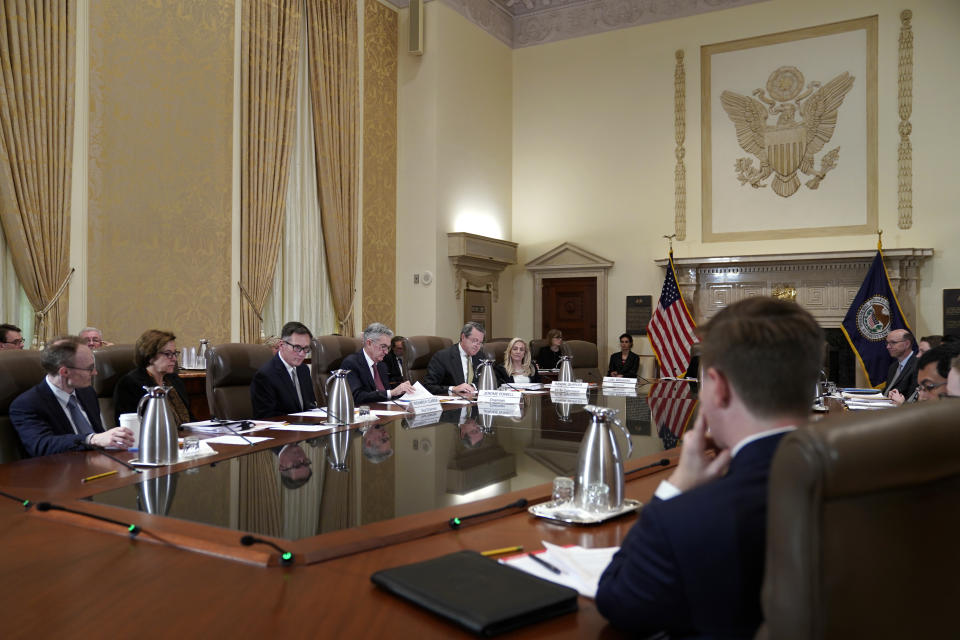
point(380, 494)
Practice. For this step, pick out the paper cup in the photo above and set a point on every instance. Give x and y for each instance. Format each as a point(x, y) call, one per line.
point(132, 421)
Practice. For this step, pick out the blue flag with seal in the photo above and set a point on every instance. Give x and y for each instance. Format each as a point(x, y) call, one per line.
point(874, 313)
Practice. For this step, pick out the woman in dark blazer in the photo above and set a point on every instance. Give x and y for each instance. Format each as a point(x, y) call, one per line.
point(625, 364)
point(155, 354)
point(549, 355)
point(517, 366)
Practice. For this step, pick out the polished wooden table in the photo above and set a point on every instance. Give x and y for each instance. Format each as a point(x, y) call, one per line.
point(72, 575)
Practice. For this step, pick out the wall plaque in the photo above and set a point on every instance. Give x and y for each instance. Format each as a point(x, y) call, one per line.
point(951, 312)
point(638, 314)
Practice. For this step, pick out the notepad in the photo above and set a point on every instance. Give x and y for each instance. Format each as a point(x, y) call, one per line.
point(477, 593)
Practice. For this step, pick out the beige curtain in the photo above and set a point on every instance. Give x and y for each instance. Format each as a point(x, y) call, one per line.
point(332, 33)
point(269, 52)
point(37, 59)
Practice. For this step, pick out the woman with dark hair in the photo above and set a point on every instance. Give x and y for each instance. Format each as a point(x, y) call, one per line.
point(155, 354)
point(625, 364)
point(549, 355)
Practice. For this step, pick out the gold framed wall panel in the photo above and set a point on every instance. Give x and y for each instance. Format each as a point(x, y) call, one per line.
point(845, 193)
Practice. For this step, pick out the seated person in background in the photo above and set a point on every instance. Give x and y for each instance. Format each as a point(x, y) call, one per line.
point(11, 337)
point(368, 378)
point(453, 370)
point(62, 413)
point(396, 367)
point(274, 343)
point(626, 363)
point(928, 342)
point(933, 369)
point(94, 338)
point(155, 354)
point(953, 379)
point(517, 365)
point(902, 375)
point(549, 355)
point(692, 565)
point(283, 384)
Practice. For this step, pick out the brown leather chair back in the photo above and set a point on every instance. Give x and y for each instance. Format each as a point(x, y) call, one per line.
point(230, 369)
point(327, 353)
point(863, 524)
point(585, 360)
point(419, 351)
point(496, 349)
point(112, 364)
point(19, 370)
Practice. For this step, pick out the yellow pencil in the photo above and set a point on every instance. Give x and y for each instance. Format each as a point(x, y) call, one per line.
point(105, 474)
point(500, 552)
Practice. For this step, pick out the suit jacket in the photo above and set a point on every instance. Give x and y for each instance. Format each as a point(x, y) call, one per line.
point(445, 370)
point(693, 565)
point(505, 378)
point(361, 381)
point(907, 382)
point(43, 425)
point(627, 369)
point(129, 390)
point(272, 392)
point(547, 359)
point(397, 373)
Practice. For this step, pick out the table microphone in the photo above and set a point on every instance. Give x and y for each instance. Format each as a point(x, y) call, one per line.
point(132, 529)
point(23, 501)
point(663, 462)
point(286, 558)
point(456, 522)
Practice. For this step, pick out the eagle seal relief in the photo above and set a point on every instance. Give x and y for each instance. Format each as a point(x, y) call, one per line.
point(787, 146)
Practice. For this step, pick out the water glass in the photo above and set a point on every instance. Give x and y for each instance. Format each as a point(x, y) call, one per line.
point(562, 490)
point(597, 497)
point(191, 446)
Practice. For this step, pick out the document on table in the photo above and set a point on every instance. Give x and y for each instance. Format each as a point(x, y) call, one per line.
point(240, 440)
point(580, 568)
point(305, 427)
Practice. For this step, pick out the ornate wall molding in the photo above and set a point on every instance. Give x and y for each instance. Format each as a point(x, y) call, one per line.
point(478, 261)
point(680, 132)
point(905, 109)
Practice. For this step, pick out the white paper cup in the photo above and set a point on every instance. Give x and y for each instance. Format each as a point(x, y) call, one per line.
point(132, 421)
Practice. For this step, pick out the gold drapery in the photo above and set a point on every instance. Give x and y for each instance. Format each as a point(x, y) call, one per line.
point(37, 84)
point(334, 74)
point(269, 52)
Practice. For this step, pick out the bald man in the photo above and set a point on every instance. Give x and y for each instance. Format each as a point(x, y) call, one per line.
point(902, 375)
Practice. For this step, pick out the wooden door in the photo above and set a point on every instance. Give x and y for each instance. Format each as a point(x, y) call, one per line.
point(570, 304)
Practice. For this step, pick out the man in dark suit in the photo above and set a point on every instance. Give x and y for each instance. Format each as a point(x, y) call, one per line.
point(693, 564)
point(395, 362)
point(61, 413)
point(902, 375)
point(452, 371)
point(368, 377)
point(283, 385)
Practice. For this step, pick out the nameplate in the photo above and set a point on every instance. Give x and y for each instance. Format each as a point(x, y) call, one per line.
point(568, 387)
point(610, 381)
point(423, 419)
point(508, 410)
point(425, 405)
point(617, 390)
point(499, 397)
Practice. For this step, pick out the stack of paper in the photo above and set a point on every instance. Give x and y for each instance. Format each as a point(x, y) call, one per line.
point(580, 568)
point(865, 399)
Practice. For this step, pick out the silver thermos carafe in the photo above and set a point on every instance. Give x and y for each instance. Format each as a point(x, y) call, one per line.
point(486, 377)
point(338, 444)
point(158, 431)
point(600, 459)
point(339, 398)
point(566, 369)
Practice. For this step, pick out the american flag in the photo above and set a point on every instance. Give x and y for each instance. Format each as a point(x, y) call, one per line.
point(671, 407)
point(671, 329)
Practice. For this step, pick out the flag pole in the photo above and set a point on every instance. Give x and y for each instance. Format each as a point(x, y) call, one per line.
point(879, 239)
point(670, 239)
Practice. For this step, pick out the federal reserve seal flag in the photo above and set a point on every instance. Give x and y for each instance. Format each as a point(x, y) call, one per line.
point(874, 313)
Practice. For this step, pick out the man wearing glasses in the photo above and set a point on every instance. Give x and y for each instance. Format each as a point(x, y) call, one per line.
point(369, 376)
point(953, 379)
point(454, 370)
point(10, 337)
point(902, 376)
point(933, 370)
point(94, 338)
point(283, 385)
point(61, 413)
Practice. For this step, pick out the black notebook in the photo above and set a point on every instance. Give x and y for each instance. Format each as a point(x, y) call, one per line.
point(478, 593)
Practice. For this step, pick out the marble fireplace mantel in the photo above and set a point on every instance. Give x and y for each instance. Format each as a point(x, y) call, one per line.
point(826, 282)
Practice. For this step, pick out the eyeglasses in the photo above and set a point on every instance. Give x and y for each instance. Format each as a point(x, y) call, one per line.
point(18, 341)
point(475, 340)
point(297, 348)
point(169, 354)
point(929, 386)
point(89, 369)
point(889, 342)
point(297, 465)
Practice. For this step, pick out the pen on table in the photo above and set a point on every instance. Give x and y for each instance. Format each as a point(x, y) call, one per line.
point(100, 475)
point(500, 552)
point(545, 564)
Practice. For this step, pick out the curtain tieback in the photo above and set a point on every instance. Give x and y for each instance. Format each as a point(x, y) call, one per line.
point(253, 306)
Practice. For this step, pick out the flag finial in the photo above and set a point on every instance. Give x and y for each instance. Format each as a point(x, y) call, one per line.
point(670, 238)
point(879, 239)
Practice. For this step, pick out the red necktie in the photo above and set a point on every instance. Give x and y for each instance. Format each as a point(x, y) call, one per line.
point(376, 378)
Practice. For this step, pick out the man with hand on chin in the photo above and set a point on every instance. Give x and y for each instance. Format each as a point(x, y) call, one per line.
point(62, 413)
point(693, 563)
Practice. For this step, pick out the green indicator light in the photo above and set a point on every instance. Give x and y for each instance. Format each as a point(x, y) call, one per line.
point(286, 555)
point(26, 503)
point(456, 521)
point(132, 528)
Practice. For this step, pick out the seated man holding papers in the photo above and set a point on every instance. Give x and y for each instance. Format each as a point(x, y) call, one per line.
point(369, 378)
point(693, 563)
point(283, 385)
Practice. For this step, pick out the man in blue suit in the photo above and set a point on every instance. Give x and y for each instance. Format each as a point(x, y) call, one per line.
point(692, 566)
point(453, 370)
point(283, 385)
point(62, 413)
point(369, 376)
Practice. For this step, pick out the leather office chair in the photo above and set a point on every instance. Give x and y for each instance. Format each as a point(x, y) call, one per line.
point(112, 364)
point(496, 349)
point(585, 360)
point(420, 350)
point(19, 370)
point(327, 353)
point(230, 369)
point(863, 527)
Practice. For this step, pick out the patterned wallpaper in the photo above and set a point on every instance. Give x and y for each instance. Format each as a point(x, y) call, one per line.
point(161, 118)
point(379, 165)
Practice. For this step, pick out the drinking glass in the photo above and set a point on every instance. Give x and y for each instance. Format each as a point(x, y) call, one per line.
point(191, 446)
point(562, 490)
point(597, 497)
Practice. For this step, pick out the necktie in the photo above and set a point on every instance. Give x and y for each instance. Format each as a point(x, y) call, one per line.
point(400, 367)
point(80, 422)
point(469, 370)
point(296, 385)
point(376, 378)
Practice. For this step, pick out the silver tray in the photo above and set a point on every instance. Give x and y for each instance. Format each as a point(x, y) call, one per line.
point(571, 515)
